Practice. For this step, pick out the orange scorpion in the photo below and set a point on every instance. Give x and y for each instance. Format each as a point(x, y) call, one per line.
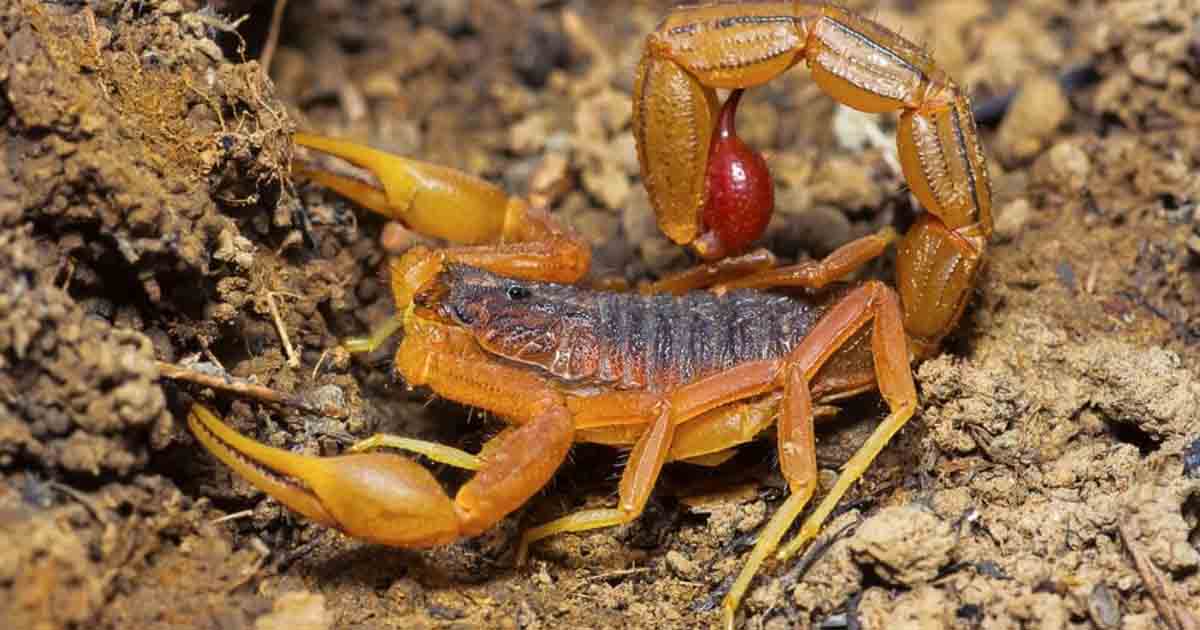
point(693, 365)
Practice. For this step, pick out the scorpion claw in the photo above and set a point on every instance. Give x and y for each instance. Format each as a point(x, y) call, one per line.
point(378, 497)
point(434, 200)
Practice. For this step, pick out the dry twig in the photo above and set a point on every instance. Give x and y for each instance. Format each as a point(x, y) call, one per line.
point(1175, 616)
point(244, 388)
point(268, 51)
point(292, 359)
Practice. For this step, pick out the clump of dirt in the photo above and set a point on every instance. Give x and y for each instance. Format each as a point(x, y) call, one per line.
point(79, 394)
point(904, 545)
point(147, 215)
point(72, 557)
point(134, 157)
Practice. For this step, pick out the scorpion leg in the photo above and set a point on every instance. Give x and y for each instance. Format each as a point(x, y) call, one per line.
point(711, 274)
point(758, 269)
point(437, 452)
point(641, 471)
point(378, 335)
point(653, 446)
point(894, 375)
point(817, 274)
point(873, 301)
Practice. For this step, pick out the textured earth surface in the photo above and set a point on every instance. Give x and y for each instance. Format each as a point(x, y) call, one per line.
point(1051, 477)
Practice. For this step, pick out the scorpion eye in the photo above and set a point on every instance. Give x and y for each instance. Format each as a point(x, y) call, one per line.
point(518, 292)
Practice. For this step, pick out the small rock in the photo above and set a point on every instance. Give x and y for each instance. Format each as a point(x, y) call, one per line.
point(296, 610)
point(681, 565)
point(448, 15)
point(816, 232)
point(1150, 67)
point(846, 183)
point(925, 608)
point(608, 184)
point(551, 179)
point(778, 622)
point(659, 253)
point(904, 545)
point(1039, 109)
point(752, 515)
point(1012, 218)
point(1103, 608)
point(597, 227)
point(624, 148)
point(542, 48)
point(637, 218)
point(1191, 460)
point(856, 131)
point(529, 135)
point(1065, 167)
point(1193, 243)
point(758, 124)
point(604, 114)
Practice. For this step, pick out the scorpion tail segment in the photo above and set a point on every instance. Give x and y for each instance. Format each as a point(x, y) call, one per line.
point(381, 498)
point(936, 271)
point(431, 199)
point(673, 121)
point(943, 163)
point(740, 196)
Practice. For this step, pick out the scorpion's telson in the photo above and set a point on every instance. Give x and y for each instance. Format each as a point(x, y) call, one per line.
point(686, 378)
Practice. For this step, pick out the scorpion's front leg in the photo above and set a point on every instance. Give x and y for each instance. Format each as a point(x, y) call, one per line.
point(859, 63)
point(387, 499)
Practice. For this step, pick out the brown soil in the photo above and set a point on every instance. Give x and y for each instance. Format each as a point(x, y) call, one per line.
point(146, 214)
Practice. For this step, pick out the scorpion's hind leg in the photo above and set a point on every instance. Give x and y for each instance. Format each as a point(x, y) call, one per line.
point(871, 302)
point(705, 403)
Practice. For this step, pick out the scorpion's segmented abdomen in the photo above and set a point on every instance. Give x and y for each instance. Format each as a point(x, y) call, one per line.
point(653, 342)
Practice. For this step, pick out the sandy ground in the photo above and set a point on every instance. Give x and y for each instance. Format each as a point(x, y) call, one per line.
point(1051, 478)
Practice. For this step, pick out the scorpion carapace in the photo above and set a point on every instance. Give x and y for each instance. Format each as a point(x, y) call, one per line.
point(489, 322)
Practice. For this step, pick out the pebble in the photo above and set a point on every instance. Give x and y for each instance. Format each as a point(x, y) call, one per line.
point(608, 184)
point(296, 610)
point(1038, 110)
point(551, 178)
point(529, 135)
point(905, 545)
point(681, 565)
point(597, 227)
point(1012, 218)
point(1066, 167)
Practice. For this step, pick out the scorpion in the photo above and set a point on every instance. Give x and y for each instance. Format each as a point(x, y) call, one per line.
point(693, 365)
